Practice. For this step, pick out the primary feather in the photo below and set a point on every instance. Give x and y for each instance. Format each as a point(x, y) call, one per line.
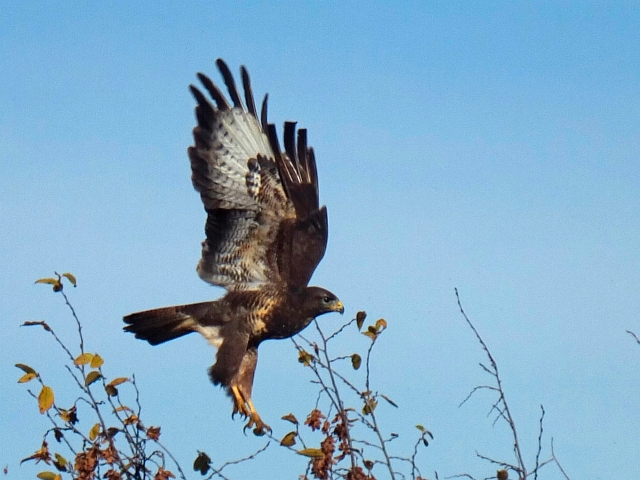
point(265, 235)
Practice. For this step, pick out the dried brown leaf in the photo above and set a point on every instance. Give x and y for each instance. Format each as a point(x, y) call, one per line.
point(356, 361)
point(25, 368)
point(290, 417)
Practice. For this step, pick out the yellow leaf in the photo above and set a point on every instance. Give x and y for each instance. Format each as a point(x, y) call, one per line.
point(369, 406)
point(27, 377)
point(304, 358)
point(123, 408)
point(96, 361)
point(288, 440)
point(60, 462)
point(93, 433)
point(49, 476)
point(25, 368)
point(45, 399)
point(83, 359)
point(381, 324)
point(92, 377)
point(311, 452)
point(70, 277)
point(57, 285)
point(117, 381)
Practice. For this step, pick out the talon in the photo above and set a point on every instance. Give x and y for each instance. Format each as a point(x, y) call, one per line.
point(259, 427)
point(246, 408)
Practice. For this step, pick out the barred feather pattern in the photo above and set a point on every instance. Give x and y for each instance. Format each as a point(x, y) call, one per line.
point(234, 171)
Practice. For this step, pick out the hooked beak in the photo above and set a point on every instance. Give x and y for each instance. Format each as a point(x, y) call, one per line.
point(338, 307)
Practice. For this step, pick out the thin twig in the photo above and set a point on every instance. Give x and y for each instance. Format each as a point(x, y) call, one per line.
point(339, 404)
point(553, 454)
point(535, 474)
point(634, 336)
point(505, 412)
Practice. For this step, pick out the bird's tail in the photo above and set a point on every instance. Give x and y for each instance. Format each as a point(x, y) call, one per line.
point(163, 324)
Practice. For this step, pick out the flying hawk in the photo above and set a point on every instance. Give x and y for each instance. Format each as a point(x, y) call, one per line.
point(265, 235)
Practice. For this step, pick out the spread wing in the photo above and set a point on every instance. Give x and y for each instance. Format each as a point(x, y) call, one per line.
point(264, 223)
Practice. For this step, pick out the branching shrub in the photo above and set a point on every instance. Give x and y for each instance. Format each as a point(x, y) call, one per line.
point(340, 435)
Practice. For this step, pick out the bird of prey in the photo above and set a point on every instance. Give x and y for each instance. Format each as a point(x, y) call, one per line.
point(265, 235)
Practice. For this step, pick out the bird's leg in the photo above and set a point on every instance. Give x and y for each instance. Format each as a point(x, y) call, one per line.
point(254, 420)
point(239, 404)
point(244, 405)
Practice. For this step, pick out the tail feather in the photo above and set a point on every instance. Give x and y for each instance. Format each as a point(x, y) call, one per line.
point(163, 324)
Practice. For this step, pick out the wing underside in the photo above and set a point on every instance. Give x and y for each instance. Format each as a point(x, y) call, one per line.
point(264, 223)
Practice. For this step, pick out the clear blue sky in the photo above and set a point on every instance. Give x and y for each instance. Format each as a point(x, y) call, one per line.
point(494, 148)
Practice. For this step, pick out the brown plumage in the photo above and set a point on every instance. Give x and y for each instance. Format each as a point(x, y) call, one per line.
point(265, 235)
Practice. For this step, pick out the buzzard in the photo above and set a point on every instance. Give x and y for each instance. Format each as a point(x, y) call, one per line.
point(265, 235)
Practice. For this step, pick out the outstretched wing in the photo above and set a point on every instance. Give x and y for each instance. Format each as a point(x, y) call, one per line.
point(264, 223)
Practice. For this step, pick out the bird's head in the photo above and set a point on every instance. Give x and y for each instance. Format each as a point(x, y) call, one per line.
point(318, 301)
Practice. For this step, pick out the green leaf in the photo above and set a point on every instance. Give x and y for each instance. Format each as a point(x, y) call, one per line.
point(25, 368)
point(92, 377)
point(45, 399)
point(202, 463)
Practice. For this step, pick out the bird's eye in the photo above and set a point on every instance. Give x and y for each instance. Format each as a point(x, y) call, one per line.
point(326, 299)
